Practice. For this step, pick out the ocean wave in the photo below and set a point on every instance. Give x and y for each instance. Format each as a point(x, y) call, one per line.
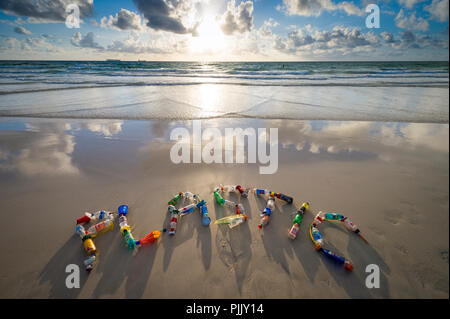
point(94, 85)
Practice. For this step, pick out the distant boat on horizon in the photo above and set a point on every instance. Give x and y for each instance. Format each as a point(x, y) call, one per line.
point(113, 60)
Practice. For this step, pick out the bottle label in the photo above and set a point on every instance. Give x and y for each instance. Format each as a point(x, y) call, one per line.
point(100, 226)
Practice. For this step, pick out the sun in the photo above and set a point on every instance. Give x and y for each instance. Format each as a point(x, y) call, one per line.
point(209, 40)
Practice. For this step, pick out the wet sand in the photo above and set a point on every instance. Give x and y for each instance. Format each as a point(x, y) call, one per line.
point(391, 179)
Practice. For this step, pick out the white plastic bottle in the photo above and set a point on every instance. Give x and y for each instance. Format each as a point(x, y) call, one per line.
point(123, 221)
point(187, 209)
point(350, 226)
point(237, 221)
point(228, 188)
point(229, 203)
point(100, 215)
point(271, 203)
point(189, 195)
point(240, 209)
point(80, 231)
point(101, 227)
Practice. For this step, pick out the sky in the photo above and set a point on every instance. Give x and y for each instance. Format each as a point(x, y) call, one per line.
point(224, 30)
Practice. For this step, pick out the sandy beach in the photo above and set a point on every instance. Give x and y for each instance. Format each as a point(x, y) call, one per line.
point(115, 110)
point(390, 178)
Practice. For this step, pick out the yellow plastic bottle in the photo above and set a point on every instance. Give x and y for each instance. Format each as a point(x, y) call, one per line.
point(89, 246)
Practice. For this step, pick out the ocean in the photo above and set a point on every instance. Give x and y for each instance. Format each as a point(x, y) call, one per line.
point(385, 91)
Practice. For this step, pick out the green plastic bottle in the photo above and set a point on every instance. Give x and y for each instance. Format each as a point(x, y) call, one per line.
point(298, 220)
point(174, 200)
point(333, 216)
point(219, 198)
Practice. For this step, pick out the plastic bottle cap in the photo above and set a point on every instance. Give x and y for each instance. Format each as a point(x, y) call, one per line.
point(348, 266)
point(82, 220)
point(123, 209)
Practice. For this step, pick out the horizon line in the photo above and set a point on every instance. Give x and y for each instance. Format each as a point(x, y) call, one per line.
point(219, 61)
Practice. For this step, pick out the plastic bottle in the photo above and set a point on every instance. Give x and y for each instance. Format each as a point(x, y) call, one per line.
point(260, 191)
point(239, 219)
point(264, 221)
point(205, 217)
point(331, 216)
point(294, 230)
point(88, 245)
point(123, 221)
point(125, 229)
point(173, 219)
point(266, 211)
point(317, 237)
point(89, 262)
point(83, 220)
point(240, 209)
point(101, 228)
point(338, 259)
point(298, 220)
point(242, 191)
point(304, 208)
point(122, 210)
point(350, 226)
point(128, 237)
point(228, 188)
point(150, 238)
point(92, 217)
point(286, 198)
point(219, 198)
point(97, 215)
point(189, 195)
point(232, 221)
point(271, 203)
point(80, 231)
point(174, 200)
point(318, 219)
point(187, 209)
point(229, 203)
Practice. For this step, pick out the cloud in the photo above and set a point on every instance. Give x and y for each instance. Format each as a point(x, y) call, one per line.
point(123, 20)
point(85, 42)
point(438, 10)
point(45, 11)
point(310, 42)
point(388, 37)
point(408, 37)
point(411, 23)
point(165, 15)
point(316, 7)
point(45, 149)
point(266, 29)
point(237, 19)
point(36, 44)
point(409, 3)
point(106, 128)
point(337, 39)
point(134, 45)
point(409, 40)
point(10, 44)
point(391, 141)
point(21, 30)
point(10, 23)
